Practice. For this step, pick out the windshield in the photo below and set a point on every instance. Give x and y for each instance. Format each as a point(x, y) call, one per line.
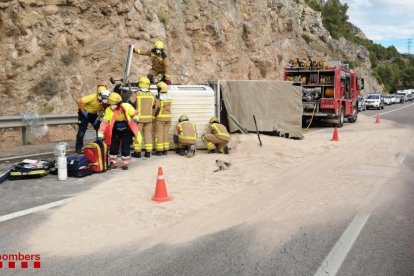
point(373, 97)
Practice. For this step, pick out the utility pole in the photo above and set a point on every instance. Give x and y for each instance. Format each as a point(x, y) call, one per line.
point(409, 42)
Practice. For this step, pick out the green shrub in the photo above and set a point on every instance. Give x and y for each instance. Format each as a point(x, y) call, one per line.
point(307, 38)
point(48, 86)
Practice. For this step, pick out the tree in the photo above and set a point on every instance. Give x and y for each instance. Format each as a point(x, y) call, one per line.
point(335, 19)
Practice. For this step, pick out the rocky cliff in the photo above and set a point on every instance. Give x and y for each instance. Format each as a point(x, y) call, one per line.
point(53, 51)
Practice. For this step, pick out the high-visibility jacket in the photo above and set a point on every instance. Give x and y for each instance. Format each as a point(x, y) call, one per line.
point(91, 103)
point(219, 130)
point(186, 132)
point(160, 63)
point(145, 106)
point(163, 107)
point(124, 113)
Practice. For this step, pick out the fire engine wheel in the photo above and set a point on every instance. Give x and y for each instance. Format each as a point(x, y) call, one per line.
point(354, 117)
point(340, 122)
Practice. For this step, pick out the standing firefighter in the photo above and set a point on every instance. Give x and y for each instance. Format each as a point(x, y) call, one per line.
point(185, 137)
point(91, 107)
point(144, 104)
point(217, 137)
point(117, 126)
point(160, 62)
point(162, 116)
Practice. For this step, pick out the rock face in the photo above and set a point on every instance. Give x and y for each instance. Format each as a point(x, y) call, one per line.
point(54, 51)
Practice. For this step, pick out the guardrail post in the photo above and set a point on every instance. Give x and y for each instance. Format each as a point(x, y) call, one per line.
point(27, 136)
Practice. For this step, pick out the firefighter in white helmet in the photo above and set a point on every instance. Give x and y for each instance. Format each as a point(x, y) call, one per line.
point(143, 101)
point(119, 121)
point(217, 137)
point(160, 62)
point(91, 108)
point(185, 137)
point(162, 116)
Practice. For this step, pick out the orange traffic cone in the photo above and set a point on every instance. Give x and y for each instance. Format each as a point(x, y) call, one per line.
point(378, 120)
point(335, 135)
point(160, 194)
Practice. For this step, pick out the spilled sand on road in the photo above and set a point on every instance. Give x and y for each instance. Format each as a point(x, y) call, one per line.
point(119, 211)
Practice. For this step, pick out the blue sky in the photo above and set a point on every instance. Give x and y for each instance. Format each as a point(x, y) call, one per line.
point(387, 22)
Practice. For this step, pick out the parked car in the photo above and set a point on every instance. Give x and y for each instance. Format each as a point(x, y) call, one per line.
point(374, 100)
point(387, 100)
point(362, 106)
point(394, 99)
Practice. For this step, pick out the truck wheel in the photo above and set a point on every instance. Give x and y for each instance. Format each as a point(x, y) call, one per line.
point(354, 117)
point(340, 122)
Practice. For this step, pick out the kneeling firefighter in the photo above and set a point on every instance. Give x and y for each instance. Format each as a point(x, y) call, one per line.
point(185, 137)
point(118, 124)
point(217, 137)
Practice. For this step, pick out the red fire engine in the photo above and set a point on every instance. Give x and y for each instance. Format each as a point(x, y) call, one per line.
point(329, 94)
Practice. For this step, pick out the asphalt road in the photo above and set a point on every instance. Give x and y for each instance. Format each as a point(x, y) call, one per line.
point(385, 245)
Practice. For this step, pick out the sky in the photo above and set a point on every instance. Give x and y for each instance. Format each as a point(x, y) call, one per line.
point(387, 22)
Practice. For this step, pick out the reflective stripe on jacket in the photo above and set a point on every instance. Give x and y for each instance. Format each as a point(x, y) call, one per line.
point(220, 131)
point(144, 106)
point(163, 103)
point(113, 116)
point(186, 132)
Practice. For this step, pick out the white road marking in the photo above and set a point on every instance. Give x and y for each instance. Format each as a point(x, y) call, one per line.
point(333, 261)
point(335, 258)
point(392, 110)
point(317, 131)
point(32, 210)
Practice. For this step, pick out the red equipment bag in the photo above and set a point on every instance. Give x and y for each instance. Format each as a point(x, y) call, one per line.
point(96, 153)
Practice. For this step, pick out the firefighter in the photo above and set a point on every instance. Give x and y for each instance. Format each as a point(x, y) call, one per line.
point(217, 137)
point(162, 116)
point(118, 124)
point(143, 101)
point(160, 62)
point(185, 137)
point(91, 107)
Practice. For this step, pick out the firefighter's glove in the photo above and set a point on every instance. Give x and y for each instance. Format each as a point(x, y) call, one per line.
point(85, 114)
point(96, 122)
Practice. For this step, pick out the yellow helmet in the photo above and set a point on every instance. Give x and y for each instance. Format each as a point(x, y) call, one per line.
point(143, 82)
point(114, 98)
point(183, 118)
point(159, 45)
point(100, 88)
point(162, 87)
point(214, 120)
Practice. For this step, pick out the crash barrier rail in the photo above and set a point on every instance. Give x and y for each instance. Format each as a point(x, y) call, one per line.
point(33, 124)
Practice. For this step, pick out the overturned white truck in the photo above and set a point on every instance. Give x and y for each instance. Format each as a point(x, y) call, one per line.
point(277, 105)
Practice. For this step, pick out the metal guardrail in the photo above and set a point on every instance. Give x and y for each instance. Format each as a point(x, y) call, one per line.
point(20, 122)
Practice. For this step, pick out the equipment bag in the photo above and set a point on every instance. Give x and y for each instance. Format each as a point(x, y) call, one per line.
point(30, 169)
point(96, 153)
point(78, 166)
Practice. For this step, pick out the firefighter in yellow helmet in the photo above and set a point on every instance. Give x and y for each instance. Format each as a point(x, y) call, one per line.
point(143, 101)
point(162, 116)
point(217, 137)
point(119, 121)
point(185, 137)
point(159, 60)
point(91, 108)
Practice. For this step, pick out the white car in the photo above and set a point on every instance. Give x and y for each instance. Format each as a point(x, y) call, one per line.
point(374, 101)
point(387, 100)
